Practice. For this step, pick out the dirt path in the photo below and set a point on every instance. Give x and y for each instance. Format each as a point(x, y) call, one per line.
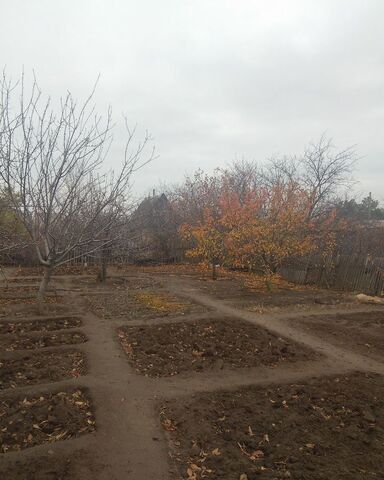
point(129, 443)
point(344, 359)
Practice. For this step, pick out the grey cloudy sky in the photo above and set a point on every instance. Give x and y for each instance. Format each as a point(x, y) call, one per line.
point(214, 80)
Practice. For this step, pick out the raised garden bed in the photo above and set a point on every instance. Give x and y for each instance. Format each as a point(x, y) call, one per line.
point(38, 419)
point(169, 349)
point(37, 368)
point(326, 428)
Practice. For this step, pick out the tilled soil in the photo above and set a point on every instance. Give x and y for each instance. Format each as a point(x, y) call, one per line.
point(133, 305)
point(253, 294)
point(362, 332)
point(23, 310)
point(34, 420)
point(169, 349)
point(25, 342)
point(21, 280)
point(326, 428)
point(322, 429)
point(41, 368)
point(117, 282)
point(62, 270)
point(51, 467)
point(17, 289)
point(42, 325)
point(28, 299)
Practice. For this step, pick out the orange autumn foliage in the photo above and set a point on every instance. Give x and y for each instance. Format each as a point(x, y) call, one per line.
point(267, 227)
point(258, 231)
point(207, 238)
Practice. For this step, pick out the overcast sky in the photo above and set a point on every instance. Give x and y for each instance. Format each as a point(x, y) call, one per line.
point(214, 80)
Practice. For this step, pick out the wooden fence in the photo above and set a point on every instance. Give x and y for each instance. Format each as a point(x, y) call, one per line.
point(353, 272)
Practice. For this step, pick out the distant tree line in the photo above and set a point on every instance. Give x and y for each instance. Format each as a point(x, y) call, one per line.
point(258, 216)
point(60, 203)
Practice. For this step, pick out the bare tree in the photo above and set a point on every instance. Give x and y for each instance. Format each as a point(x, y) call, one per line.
point(52, 170)
point(321, 172)
point(324, 170)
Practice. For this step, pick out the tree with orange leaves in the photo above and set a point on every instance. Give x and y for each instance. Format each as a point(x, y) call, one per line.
point(207, 239)
point(266, 228)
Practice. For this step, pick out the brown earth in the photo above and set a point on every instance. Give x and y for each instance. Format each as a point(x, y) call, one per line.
point(138, 304)
point(78, 465)
point(17, 289)
point(28, 299)
point(362, 332)
point(63, 270)
point(22, 280)
point(38, 368)
point(27, 310)
point(250, 291)
point(241, 294)
point(34, 420)
point(39, 325)
point(327, 428)
point(129, 442)
point(25, 342)
point(163, 350)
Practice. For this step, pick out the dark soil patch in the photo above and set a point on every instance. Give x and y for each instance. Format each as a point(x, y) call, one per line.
point(14, 289)
point(24, 342)
point(362, 332)
point(251, 293)
point(28, 299)
point(51, 467)
point(40, 368)
point(63, 270)
point(119, 282)
point(164, 350)
point(34, 420)
point(42, 325)
point(327, 428)
point(21, 280)
point(138, 304)
point(34, 310)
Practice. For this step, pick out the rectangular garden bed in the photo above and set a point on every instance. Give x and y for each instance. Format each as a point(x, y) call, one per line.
point(34, 420)
point(323, 429)
point(41, 368)
point(362, 332)
point(137, 304)
point(169, 349)
point(42, 325)
point(32, 342)
point(50, 467)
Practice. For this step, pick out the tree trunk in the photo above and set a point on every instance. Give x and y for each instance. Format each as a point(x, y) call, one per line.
point(214, 276)
point(44, 283)
point(102, 276)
